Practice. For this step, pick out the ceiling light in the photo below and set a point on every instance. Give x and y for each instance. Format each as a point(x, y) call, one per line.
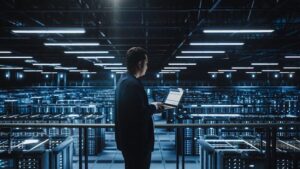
point(269, 70)
point(253, 72)
point(173, 70)
point(49, 72)
point(46, 64)
point(86, 52)
point(120, 72)
point(175, 67)
point(203, 51)
point(264, 64)
point(214, 72)
point(217, 44)
point(116, 70)
point(50, 30)
point(32, 71)
point(15, 57)
point(182, 64)
point(95, 57)
point(11, 68)
point(71, 44)
point(88, 72)
point(30, 61)
point(291, 67)
point(106, 67)
point(286, 72)
point(292, 57)
point(65, 68)
point(5, 52)
point(194, 57)
point(242, 68)
point(223, 70)
point(78, 70)
point(239, 31)
point(167, 72)
point(108, 64)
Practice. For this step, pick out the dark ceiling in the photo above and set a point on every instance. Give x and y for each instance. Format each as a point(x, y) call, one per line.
point(163, 27)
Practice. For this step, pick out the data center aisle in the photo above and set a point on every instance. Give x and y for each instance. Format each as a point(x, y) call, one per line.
point(163, 157)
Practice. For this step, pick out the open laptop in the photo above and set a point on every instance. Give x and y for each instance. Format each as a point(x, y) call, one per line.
point(173, 99)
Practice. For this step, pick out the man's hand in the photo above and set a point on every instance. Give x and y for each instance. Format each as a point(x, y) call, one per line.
point(159, 106)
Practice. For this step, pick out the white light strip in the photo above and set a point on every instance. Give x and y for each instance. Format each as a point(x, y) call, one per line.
point(30, 61)
point(119, 68)
point(175, 67)
point(214, 72)
point(217, 44)
point(71, 44)
point(32, 71)
point(216, 115)
point(292, 57)
point(287, 72)
point(204, 51)
point(120, 72)
point(264, 64)
point(15, 57)
point(85, 52)
point(242, 68)
point(253, 72)
point(78, 70)
point(166, 72)
point(95, 57)
point(49, 72)
point(88, 72)
point(269, 70)
point(116, 70)
point(65, 68)
point(291, 67)
point(182, 64)
point(194, 57)
point(173, 70)
point(5, 52)
point(46, 64)
point(223, 70)
point(11, 68)
point(108, 64)
point(51, 30)
point(221, 105)
point(240, 31)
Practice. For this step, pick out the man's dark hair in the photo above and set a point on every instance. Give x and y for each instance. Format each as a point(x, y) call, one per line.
point(133, 56)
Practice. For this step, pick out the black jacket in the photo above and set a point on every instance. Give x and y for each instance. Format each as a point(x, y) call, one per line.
point(134, 124)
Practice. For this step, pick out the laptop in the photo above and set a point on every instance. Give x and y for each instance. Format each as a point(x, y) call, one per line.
point(173, 99)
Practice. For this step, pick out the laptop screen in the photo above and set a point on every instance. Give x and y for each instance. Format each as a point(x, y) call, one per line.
point(174, 97)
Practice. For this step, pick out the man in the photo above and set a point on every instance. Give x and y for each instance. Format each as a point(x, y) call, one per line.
point(134, 125)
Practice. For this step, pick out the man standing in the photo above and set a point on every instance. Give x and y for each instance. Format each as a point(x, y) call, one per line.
point(134, 124)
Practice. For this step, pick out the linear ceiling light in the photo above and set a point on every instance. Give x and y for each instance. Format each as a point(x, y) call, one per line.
point(264, 64)
point(119, 68)
point(15, 57)
point(182, 64)
point(5, 52)
point(120, 72)
point(95, 57)
point(11, 68)
point(214, 72)
point(88, 72)
point(270, 70)
point(49, 72)
point(242, 68)
point(217, 44)
point(71, 44)
point(85, 52)
point(239, 31)
point(32, 71)
point(291, 67)
point(167, 72)
point(194, 57)
point(203, 51)
point(46, 64)
point(78, 70)
point(253, 72)
point(30, 61)
point(287, 72)
point(65, 68)
point(108, 64)
point(175, 68)
point(223, 70)
point(292, 57)
point(116, 70)
point(50, 30)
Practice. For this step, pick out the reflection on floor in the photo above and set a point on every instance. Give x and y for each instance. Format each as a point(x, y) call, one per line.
point(163, 157)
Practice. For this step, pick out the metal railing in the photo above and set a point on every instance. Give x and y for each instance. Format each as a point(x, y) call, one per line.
point(270, 129)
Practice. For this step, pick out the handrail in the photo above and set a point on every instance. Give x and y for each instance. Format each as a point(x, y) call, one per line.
point(65, 125)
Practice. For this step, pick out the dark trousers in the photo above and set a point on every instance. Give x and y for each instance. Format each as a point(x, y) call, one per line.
point(137, 160)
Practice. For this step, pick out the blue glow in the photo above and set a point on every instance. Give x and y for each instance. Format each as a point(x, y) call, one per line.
point(291, 76)
point(276, 75)
point(213, 76)
point(20, 76)
point(157, 76)
point(61, 76)
point(112, 75)
point(7, 75)
point(88, 76)
point(47, 76)
point(228, 75)
point(253, 75)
